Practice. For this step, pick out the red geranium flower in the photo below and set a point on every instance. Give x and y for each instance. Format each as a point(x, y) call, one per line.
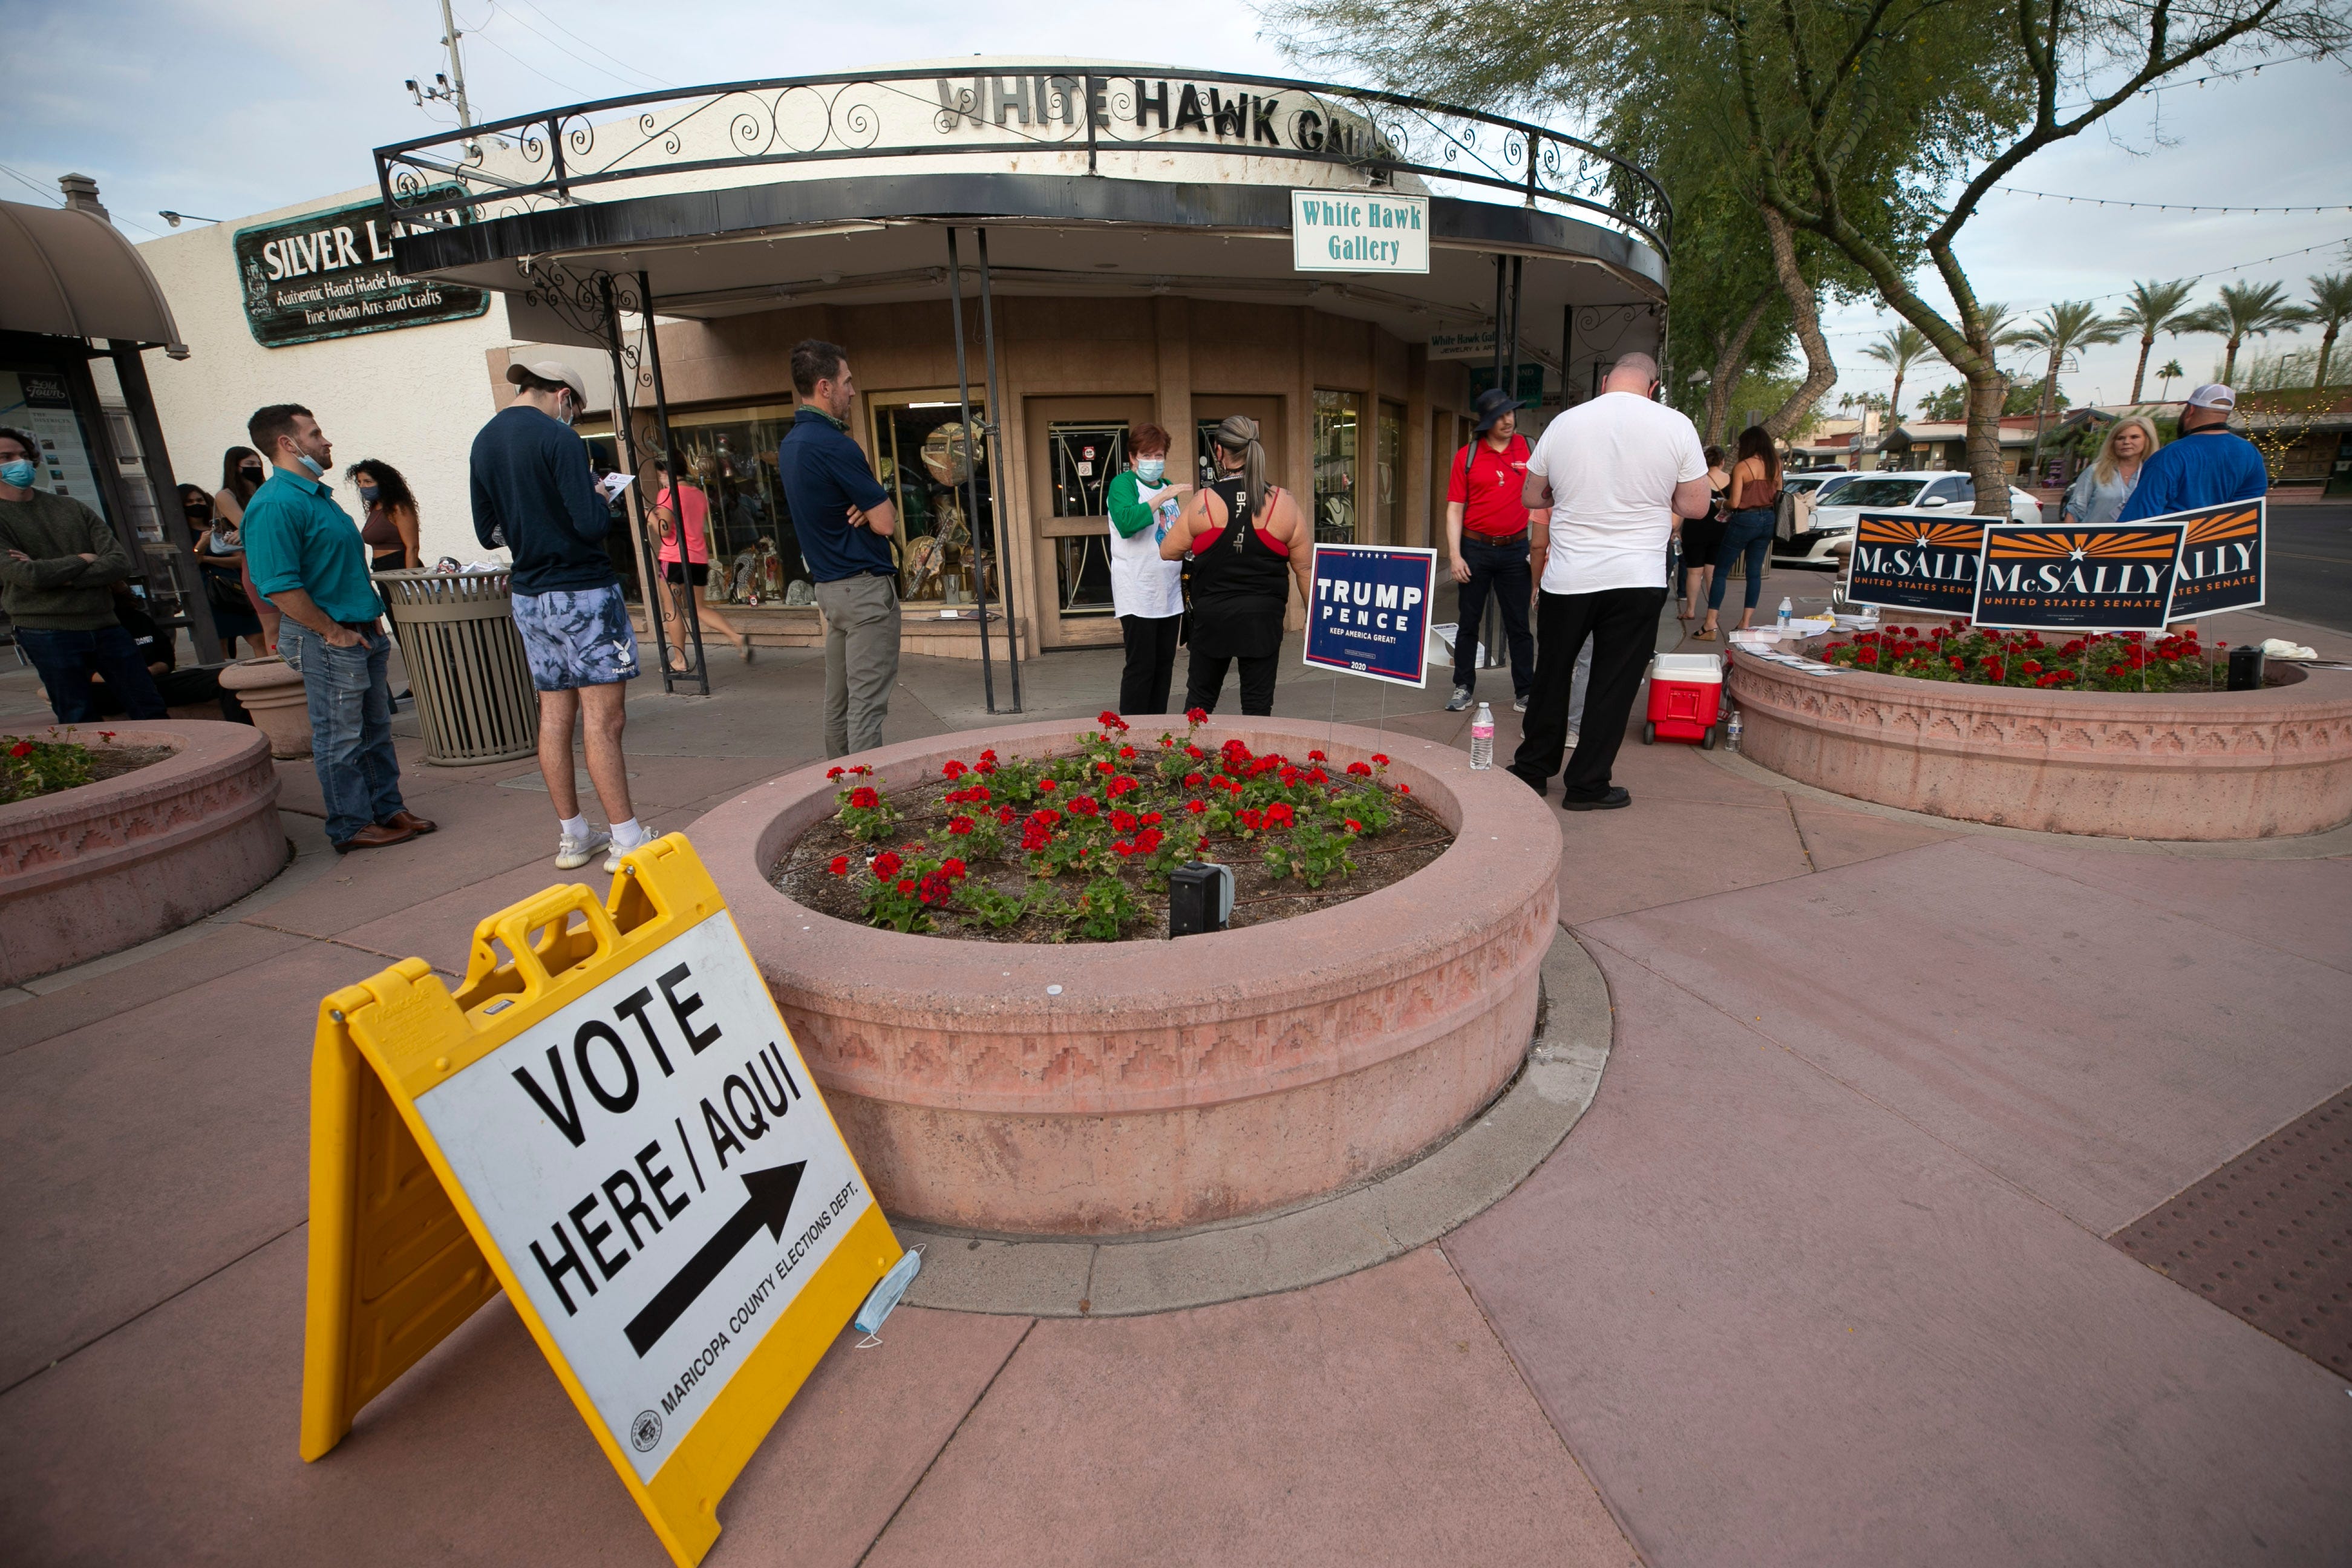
point(906, 884)
point(1354, 827)
point(864, 798)
point(833, 773)
point(1196, 715)
point(1151, 819)
point(1110, 720)
point(1379, 761)
point(1317, 757)
point(1047, 785)
point(959, 826)
point(1005, 814)
point(1123, 821)
point(1196, 807)
point(1279, 815)
point(21, 749)
point(1084, 806)
point(955, 770)
point(840, 866)
point(885, 865)
point(1404, 789)
point(951, 867)
point(1360, 770)
point(1193, 780)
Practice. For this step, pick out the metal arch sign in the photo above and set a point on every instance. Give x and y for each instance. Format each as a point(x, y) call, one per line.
point(622, 1135)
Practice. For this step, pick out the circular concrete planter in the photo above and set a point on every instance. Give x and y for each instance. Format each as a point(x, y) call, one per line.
point(2193, 765)
point(89, 871)
point(274, 694)
point(1143, 1086)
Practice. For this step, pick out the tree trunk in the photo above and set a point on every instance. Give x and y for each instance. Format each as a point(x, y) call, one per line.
point(1728, 366)
point(1895, 402)
point(2139, 371)
point(2044, 408)
point(1988, 390)
point(2326, 347)
point(2230, 364)
point(1821, 371)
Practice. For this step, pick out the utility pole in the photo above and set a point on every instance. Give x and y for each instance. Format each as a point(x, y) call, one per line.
point(449, 35)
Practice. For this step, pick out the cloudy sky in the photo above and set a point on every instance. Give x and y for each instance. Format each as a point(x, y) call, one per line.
point(224, 108)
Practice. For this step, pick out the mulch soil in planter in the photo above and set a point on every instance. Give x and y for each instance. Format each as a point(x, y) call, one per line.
point(105, 763)
point(1413, 839)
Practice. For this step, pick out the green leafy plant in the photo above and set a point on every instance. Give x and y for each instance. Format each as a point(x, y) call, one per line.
point(2121, 661)
point(30, 767)
point(1314, 854)
point(866, 813)
point(1105, 908)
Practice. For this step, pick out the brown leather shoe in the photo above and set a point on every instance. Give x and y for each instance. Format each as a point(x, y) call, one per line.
point(410, 820)
point(375, 836)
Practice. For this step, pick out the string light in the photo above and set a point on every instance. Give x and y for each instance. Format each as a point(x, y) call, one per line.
point(2166, 206)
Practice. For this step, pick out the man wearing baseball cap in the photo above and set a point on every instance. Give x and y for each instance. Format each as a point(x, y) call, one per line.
point(2206, 466)
point(535, 494)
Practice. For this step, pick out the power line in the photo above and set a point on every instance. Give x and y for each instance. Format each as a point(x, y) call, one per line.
point(579, 94)
point(657, 81)
point(498, 14)
point(2166, 207)
point(52, 195)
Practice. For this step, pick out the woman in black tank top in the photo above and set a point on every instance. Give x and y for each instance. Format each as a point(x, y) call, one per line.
point(1240, 584)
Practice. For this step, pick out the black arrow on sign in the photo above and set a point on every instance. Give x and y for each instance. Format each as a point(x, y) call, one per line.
point(770, 1204)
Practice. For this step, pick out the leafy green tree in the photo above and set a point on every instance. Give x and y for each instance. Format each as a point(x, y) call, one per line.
point(2247, 311)
point(1901, 348)
point(2152, 308)
point(2330, 308)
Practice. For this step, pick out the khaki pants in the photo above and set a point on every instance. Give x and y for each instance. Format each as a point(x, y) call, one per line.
point(861, 661)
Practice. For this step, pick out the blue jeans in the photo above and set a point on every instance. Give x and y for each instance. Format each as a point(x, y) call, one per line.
point(64, 661)
point(1749, 531)
point(350, 725)
point(1501, 570)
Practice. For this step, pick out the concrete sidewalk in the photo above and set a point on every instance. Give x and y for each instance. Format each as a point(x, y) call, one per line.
point(1821, 1278)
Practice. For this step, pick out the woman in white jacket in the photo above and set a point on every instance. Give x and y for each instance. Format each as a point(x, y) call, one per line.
point(1147, 593)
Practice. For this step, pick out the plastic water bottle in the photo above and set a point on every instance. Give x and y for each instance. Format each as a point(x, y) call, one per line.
point(1731, 732)
point(1482, 737)
point(1787, 610)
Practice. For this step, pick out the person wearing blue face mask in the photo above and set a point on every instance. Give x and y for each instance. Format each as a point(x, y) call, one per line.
point(305, 556)
point(1147, 593)
point(59, 563)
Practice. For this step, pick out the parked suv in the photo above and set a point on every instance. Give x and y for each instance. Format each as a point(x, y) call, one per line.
point(1833, 519)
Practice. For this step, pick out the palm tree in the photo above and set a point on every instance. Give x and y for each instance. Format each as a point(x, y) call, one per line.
point(2246, 310)
point(2153, 308)
point(2331, 307)
point(2170, 372)
point(1902, 347)
point(2059, 331)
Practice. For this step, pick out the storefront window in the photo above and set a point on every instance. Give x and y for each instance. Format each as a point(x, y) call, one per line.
point(1335, 467)
point(1389, 474)
point(730, 453)
point(924, 457)
point(1082, 457)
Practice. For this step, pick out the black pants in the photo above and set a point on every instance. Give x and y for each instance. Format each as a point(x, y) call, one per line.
point(1623, 623)
point(1150, 662)
point(1503, 571)
point(1208, 677)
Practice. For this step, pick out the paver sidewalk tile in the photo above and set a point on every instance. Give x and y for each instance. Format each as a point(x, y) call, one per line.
point(221, 950)
point(481, 832)
point(1835, 837)
point(2100, 1053)
point(1659, 851)
point(174, 1441)
point(1370, 1420)
point(1780, 1325)
point(149, 1149)
point(2302, 906)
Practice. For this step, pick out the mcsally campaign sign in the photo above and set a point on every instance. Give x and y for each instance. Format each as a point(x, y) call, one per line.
point(1922, 560)
point(609, 1121)
point(1369, 613)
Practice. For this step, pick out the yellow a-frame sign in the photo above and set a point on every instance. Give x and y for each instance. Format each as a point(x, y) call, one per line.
point(610, 1121)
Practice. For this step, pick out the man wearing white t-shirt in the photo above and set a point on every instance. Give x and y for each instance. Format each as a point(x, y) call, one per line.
point(1616, 473)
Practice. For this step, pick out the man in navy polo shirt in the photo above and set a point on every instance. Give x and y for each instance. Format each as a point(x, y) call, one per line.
point(2205, 466)
point(845, 519)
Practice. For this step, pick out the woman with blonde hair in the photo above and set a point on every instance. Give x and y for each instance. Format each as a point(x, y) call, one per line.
point(2099, 491)
point(1243, 536)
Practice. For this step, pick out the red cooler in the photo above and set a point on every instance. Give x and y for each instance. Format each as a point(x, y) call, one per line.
point(1685, 699)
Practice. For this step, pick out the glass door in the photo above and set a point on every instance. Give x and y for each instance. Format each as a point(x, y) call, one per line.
point(927, 458)
point(1076, 445)
point(1336, 500)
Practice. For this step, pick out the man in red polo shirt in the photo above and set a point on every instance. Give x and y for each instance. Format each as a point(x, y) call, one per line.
point(1486, 536)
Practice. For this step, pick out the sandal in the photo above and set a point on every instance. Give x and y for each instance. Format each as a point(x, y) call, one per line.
point(1704, 634)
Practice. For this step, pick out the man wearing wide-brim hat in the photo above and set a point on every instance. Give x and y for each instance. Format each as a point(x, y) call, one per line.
point(1488, 529)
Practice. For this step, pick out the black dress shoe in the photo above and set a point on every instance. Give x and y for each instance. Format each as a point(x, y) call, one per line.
point(1618, 796)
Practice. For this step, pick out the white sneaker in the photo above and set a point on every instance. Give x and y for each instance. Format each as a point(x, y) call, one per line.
point(1571, 739)
point(613, 861)
point(570, 853)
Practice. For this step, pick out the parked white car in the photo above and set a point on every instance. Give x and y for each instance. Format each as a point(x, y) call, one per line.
point(1832, 518)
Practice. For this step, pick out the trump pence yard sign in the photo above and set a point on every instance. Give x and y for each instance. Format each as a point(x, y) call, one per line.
point(1370, 612)
point(635, 1150)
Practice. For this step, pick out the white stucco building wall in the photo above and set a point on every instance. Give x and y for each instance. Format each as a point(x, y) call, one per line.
point(412, 396)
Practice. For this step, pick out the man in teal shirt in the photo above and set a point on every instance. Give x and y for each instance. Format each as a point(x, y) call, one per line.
point(305, 558)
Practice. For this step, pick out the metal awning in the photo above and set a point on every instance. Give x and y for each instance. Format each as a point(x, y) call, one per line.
point(72, 275)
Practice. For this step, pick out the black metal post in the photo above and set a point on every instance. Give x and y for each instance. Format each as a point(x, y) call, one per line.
point(671, 454)
point(624, 447)
point(972, 467)
point(1087, 109)
point(1498, 319)
point(1519, 271)
point(997, 505)
point(155, 460)
point(1567, 349)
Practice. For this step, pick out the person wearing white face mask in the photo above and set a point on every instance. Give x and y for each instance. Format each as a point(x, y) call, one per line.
point(1147, 593)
